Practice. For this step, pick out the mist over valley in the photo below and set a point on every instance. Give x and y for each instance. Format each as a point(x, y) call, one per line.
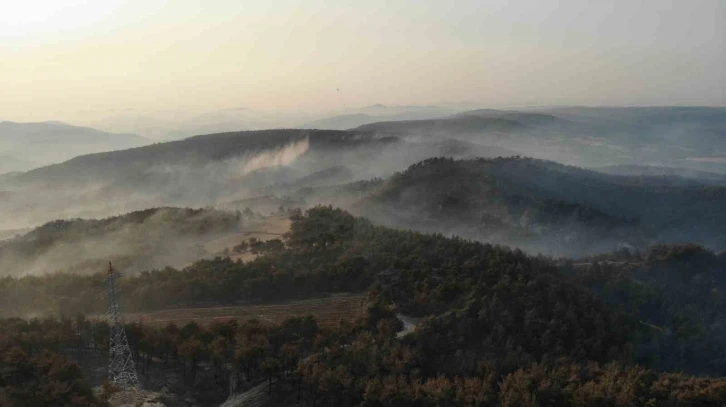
point(362, 204)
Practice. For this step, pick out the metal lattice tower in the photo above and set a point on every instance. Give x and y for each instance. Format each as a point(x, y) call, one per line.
point(121, 366)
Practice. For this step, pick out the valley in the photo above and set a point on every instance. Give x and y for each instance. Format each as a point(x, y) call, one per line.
point(516, 203)
point(324, 266)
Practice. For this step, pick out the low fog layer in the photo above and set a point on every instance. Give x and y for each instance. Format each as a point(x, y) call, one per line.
point(539, 206)
point(684, 137)
point(153, 238)
point(208, 171)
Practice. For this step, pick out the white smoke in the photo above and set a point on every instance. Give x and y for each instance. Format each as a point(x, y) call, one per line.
point(283, 156)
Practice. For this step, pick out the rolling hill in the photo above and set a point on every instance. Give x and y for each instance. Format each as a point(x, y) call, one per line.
point(10, 164)
point(377, 113)
point(196, 151)
point(592, 332)
point(45, 143)
point(538, 205)
point(210, 170)
point(704, 177)
point(686, 137)
point(547, 207)
point(342, 122)
point(459, 125)
point(135, 241)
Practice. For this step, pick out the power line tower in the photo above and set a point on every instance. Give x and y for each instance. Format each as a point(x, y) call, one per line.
point(121, 367)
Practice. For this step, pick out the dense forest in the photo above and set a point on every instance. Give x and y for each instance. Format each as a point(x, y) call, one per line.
point(676, 292)
point(499, 327)
point(364, 363)
point(705, 177)
point(363, 203)
point(545, 207)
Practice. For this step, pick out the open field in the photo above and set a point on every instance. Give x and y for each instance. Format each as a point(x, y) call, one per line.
point(327, 311)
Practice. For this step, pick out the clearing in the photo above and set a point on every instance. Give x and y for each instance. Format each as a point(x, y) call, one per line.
point(271, 227)
point(327, 311)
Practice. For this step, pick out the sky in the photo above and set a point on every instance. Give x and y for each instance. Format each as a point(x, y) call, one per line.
point(90, 61)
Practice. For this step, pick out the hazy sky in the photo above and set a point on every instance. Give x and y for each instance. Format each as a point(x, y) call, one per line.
point(81, 60)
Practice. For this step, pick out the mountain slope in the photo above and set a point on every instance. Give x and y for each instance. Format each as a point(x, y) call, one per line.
point(212, 169)
point(500, 327)
point(48, 142)
point(677, 290)
point(136, 241)
point(704, 177)
point(196, 151)
point(544, 206)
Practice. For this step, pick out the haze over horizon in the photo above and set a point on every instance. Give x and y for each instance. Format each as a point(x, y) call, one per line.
point(114, 64)
point(474, 203)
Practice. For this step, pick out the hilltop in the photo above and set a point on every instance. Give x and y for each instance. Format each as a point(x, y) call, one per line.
point(545, 206)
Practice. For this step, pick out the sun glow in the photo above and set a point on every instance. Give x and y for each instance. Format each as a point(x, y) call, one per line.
point(25, 20)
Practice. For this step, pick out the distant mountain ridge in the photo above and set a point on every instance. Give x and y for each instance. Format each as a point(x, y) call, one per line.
point(49, 142)
point(197, 150)
point(461, 124)
point(351, 118)
point(10, 164)
point(688, 137)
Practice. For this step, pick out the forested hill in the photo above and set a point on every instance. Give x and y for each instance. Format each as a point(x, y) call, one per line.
point(135, 241)
point(520, 200)
point(328, 250)
point(703, 177)
point(677, 291)
point(211, 170)
point(196, 151)
point(498, 323)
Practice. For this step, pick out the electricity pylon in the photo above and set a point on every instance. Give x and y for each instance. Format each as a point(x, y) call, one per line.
point(121, 367)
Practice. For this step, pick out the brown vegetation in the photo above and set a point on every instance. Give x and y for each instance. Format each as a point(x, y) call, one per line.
point(328, 311)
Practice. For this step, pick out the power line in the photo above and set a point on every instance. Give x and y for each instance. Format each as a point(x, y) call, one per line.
point(121, 366)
